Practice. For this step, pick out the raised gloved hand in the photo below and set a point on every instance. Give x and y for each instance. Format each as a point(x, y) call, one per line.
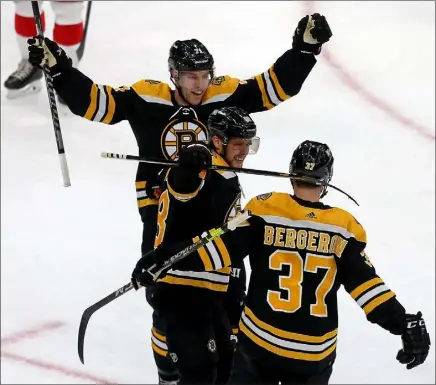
point(195, 156)
point(49, 53)
point(416, 341)
point(311, 33)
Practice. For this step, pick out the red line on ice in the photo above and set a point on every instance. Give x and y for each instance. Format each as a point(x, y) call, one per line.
point(56, 368)
point(31, 333)
point(352, 82)
point(36, 332)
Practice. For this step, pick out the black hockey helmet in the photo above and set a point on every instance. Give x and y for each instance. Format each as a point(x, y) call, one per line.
point(190, 55)
point(314, 160)
point(232, 122)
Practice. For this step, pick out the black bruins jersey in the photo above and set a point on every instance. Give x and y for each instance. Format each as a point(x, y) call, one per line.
point(300, 254)
point(215, 199)
point(160, 125)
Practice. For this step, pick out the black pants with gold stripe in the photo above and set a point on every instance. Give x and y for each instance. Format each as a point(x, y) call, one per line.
point(256, 371)
point(198, 340)
point(167, 371)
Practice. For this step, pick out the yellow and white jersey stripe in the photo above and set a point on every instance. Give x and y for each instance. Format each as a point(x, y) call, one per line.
point(153, 91)
point(221, 88)
point(270, 88)
point(215, 281)
point(285, 343)
point(214, 255)
point(371, 294)
point(103, 99)
point(102, 104)
point(141, 196)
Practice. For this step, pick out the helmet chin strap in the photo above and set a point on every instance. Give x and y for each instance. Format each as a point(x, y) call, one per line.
point(179, 90)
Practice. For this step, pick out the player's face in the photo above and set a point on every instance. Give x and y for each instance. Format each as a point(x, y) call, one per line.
point(236, 151)
point(193, 85)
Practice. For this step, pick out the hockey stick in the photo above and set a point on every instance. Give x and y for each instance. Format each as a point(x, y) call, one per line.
point(173, 163)
point(52, 101)
point(81, 48)
point(229, 226)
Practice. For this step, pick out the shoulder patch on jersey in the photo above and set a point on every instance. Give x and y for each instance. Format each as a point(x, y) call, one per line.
point(153, 91)
point(218, 80)
point(263, 197)
point(220, 89)
point(258, 206)
point(152, 81)
point(122, 89)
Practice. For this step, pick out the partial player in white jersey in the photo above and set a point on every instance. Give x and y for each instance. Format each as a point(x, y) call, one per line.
point(67, 32)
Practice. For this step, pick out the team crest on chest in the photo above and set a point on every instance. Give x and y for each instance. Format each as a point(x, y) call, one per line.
point(184, 128)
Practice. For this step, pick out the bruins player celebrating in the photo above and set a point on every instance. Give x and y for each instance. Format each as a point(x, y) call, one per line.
point(192, 308)
point(163, 119)
point(301, 252)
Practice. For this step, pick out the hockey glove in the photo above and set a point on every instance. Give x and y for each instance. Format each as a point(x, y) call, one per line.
point(311, 33)
point(145, 271)
point(195, 156)
point(49, 53)
point(416, 342)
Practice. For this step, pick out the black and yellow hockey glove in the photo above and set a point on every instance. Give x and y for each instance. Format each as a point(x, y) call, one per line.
point(49, 53)
point(311, 33)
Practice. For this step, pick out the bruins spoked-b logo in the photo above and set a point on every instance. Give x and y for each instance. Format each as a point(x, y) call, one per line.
point(211, 345)
point(184, 128)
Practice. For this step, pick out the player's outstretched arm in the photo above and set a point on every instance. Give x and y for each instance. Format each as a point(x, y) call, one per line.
point(379, 303)
point(285, 78)
point(95, 102)
point(223, 251)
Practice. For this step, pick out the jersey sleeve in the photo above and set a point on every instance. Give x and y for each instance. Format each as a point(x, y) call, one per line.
point(224, 251)
point(361, 281)
point(94, 102)
point(264, 91)
point(230, 249)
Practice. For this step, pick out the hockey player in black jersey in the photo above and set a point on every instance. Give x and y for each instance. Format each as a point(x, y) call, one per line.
point(192, 306)
point(301, 252)
point(163, 120)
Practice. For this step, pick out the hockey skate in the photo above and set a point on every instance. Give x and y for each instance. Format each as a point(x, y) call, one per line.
point(25, 80)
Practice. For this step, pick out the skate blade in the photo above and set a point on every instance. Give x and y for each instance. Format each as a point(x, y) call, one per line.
point(30, 89)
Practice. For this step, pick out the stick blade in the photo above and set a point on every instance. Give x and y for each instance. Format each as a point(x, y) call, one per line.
point(82, 330)
point(91, 310)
